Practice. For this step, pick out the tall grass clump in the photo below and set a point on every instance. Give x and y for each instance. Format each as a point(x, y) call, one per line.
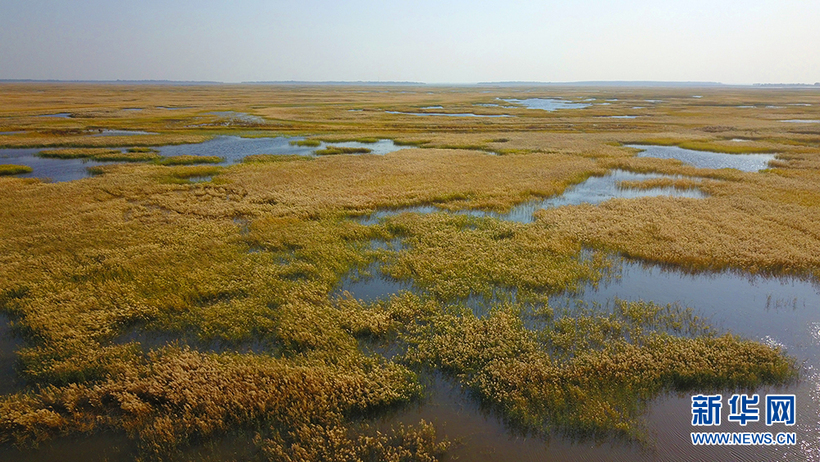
point(190, 160)
point(9, 169)
point(306, 143)
point(333, 150)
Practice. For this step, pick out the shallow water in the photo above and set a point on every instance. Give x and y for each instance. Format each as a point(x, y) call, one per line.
point(594, 190)
point(445, 114)
point(107, 132)
point(54, 169)
point(234, 148)
point(547, 104)
point(621, 117)
point(802, 121)
point(231, 148)
point(707, 159)
point(777, 311)
point(62, 115)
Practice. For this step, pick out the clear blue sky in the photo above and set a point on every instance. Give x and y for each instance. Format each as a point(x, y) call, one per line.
point(731, 41)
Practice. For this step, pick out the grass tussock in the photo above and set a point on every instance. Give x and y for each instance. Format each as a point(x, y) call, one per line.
point(190, 160)
point(333, 150)
point(307, 143)
point(78, 153)
point(9, 169)
point(103, 154)
point(266, 158)
point(682, 184)
point(182, 174)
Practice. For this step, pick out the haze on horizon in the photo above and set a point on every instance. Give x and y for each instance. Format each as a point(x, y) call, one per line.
point(728, 41)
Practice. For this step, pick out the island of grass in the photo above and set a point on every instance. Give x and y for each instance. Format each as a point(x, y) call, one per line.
point(333, 150)
point(190, 160)
point(9, 169)
point(103, 154)
point(266, 158)
point(306, 143)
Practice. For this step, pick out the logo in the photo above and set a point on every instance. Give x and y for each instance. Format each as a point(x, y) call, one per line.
point(706, 410)
point(780, 409)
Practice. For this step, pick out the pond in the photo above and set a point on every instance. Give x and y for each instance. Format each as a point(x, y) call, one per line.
point(547, 104)
point(707, 159)
point(231, 148)
point(234, 148)
point(593, 190)
point(447, 114)
point(42, 167)
point(802, 121)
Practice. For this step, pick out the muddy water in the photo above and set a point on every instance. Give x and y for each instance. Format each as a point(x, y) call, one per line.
point(706, 159)
point(594, 190)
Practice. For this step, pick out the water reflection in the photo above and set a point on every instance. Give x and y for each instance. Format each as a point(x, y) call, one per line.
point(447, 114)
point(707, 159)
point(592, 191)
point(547, 104)
point(47, 168)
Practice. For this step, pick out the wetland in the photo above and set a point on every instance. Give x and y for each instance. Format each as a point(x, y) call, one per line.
point(289, 273)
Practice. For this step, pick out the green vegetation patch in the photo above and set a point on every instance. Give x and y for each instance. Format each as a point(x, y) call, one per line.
point(267, 158)
point(103, 154)
point(190, 160)
point(129, 156)
point(441, 257)
point(77, 153)
point(184, 174)
point(410, 142)
point(333, 150)
point(306, 143)
point(9, 169)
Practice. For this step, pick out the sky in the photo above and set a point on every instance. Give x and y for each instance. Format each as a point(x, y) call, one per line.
point(728, 41)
